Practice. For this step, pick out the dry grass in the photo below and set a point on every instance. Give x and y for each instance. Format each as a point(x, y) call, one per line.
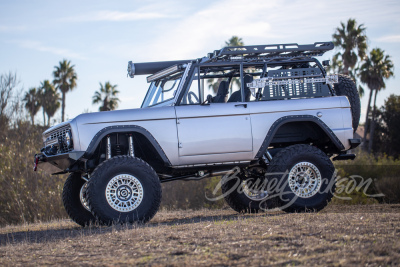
point(352, 235)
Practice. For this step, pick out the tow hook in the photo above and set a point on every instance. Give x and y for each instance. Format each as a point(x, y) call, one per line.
point(37, 159)
point(36, 163)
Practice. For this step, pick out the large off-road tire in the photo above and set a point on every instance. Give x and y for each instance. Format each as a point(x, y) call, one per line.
point(347, 87)
point(242, 196)
point(124, 189)
point(306, 178)
point(74, 199)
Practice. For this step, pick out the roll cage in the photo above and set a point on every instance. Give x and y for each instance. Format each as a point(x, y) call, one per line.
point(291, 62)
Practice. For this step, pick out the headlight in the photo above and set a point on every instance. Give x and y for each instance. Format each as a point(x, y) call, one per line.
point(68, 139)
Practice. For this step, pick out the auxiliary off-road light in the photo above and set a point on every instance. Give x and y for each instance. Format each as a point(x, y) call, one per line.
point(165, 72)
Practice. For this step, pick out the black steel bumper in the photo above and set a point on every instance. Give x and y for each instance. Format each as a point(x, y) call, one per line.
point(354, 143)
point(56, 163)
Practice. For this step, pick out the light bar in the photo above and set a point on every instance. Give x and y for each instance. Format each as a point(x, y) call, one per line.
point(270, 81)
point(164, 72)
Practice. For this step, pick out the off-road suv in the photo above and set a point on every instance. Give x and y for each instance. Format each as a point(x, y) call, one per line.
point(252, 112)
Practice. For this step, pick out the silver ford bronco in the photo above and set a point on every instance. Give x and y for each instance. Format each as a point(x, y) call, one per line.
point(266, 118)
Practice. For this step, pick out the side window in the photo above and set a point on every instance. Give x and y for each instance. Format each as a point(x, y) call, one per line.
point(220, 84)
point(223, 86)
point(192, 96)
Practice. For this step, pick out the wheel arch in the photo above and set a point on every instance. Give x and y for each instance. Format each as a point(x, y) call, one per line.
point(319, 126)
point(139, 132)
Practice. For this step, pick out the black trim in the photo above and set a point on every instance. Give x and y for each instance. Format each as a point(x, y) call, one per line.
point(344, 157)
point(354, 143)
point(125, 128)
point(278, 123)
point(59, 163)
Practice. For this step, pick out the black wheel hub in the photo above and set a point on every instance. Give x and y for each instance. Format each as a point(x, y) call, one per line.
point(124, 193)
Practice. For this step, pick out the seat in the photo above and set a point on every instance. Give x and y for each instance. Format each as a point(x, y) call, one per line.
point(222, 93)
point(237, 96)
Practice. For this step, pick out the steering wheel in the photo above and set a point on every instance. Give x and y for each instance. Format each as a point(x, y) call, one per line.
point(190, 95)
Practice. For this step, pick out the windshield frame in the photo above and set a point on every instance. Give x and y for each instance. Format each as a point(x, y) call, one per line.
point(170, 101)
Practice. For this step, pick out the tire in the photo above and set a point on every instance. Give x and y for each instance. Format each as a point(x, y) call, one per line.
point(288, 167)
point(124, 189)
point(237, 194)
point(74, 202)
point(347, 87)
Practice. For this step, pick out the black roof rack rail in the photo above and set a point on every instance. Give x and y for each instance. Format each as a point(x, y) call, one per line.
point(272, 51)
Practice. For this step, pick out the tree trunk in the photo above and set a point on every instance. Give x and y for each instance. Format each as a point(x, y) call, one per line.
point(366, 119)
point(48, 120)
point(63, 107)
point(371, 132)
point(345, 68)
point(44, 117)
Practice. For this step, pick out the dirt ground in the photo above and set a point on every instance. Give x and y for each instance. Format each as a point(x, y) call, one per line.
point(338, 236)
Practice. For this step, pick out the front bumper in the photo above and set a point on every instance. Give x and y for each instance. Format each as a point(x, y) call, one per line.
point(57, 163)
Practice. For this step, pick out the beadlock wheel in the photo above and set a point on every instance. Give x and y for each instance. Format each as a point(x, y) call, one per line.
point(253, 193)
point(304, 179)
point(124, 192)
point(82, 196)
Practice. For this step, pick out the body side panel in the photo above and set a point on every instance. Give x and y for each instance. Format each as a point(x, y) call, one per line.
point(265, 113)
point(159, 122)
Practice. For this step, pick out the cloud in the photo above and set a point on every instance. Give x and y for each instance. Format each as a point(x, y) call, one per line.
point(389, 39)
point(38, 46)
point(108, 15)
point(4, 28)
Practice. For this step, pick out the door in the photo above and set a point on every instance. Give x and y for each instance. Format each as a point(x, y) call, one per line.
point(218, 132)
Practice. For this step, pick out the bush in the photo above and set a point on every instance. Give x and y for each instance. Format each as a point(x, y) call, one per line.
point(26, 196)
point(382, 171)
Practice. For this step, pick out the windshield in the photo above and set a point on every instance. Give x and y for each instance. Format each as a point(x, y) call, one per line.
point(161, 91)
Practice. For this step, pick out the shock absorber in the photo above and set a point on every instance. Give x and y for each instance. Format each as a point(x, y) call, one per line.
point(108, 147)
point(131, 149)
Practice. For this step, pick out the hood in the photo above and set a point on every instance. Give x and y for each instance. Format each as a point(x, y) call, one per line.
point(126, 116)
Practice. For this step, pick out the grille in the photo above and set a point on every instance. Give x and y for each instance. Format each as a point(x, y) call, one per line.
point(52, 139)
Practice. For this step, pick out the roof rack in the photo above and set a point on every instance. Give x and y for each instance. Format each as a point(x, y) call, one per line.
point(273, 51)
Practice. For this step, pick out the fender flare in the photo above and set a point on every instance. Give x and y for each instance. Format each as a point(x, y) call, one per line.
point(121, 129)
point(297, 118)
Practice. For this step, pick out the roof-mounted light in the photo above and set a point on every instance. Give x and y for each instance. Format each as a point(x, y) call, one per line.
point(165, 72)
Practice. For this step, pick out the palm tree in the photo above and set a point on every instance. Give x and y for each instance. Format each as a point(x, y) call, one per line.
point(32, 103)
point(234, 41)
point(110, 100)
point(65, 79)
point(50, 100)
point(212, 83)
point(352, 40)
point(373, 72)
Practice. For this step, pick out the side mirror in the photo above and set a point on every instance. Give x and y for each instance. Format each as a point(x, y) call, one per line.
point(209, 99)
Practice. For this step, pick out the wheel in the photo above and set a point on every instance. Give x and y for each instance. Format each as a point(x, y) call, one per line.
point(245, 194)
point(347, 87)
point(74, 199)
point(305, 178)
point(124, 189)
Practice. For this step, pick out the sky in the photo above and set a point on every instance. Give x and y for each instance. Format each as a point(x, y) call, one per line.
point(100, 37)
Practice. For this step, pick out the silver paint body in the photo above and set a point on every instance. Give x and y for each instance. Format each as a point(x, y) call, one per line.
point(215, 133)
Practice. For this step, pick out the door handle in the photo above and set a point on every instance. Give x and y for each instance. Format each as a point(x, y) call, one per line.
point(241, 105)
